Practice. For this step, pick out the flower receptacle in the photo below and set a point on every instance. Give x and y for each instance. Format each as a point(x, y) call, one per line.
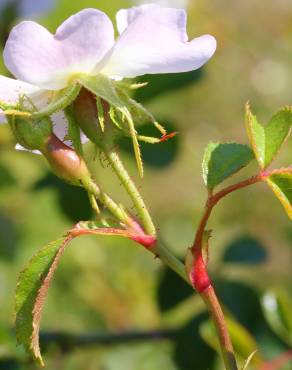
point(88, 117)
point(66, 163)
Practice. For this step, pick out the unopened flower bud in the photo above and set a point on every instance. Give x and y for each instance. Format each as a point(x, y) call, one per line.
point(66, 163)
point(31, 134)
point(87, 116)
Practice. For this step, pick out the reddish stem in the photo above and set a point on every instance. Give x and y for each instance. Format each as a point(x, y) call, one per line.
point(148, 241)
point(214, 307)
point(199, 275)
point(214, 199)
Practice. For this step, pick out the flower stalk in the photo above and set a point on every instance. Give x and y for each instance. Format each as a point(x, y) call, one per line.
point(143, 213)
point(158, 249)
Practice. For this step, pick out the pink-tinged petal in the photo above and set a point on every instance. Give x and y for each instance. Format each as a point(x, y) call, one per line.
point(154, 40)
point(61, 128)
point(60, 125)
point(49, 61)
point(11, 90)
point(124, 17)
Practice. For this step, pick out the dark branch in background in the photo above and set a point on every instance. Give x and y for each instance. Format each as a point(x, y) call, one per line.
point(68, 341)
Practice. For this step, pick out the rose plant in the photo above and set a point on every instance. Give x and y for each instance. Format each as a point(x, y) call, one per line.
point(75, 86)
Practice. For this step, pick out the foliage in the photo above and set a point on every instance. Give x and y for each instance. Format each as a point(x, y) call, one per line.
point(93, 292)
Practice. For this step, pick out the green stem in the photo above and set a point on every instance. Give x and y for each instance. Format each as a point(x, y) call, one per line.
point(109, 203)
point(132, 190)
point(170, 260)
point(159, 249)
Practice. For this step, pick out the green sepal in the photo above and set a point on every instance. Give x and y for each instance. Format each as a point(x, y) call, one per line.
point(222, 160)
point(59, 101)
point(281, 184)
point(31, 134)
point(139, 114)
point(105, 88)
point(267, 141)
point(102, 87)
point(74, 133)
point(100, 114)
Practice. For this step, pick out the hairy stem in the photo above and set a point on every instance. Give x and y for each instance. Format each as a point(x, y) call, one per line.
point(132, 190)
point(159, 249)
point(110, 204)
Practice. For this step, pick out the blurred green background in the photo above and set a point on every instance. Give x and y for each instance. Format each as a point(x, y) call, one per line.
point(111, 305)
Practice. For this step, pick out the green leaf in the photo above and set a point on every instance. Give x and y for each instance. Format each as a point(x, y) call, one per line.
point(244, 343)
point(223, 160)
point(277, 308)
point(281, 184)
point(32, 287)
point(35, 279)
point(267, 141)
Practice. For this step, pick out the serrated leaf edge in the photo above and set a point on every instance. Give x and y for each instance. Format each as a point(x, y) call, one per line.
point(40, 298)
point(82, 228)
point(248, 118)
point(283, 109)
point(205, 174)
point(249, 115)
point(279, 194)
